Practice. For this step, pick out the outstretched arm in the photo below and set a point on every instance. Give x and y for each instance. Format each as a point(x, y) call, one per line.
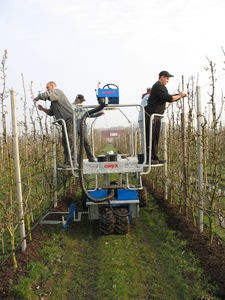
point(178, 96)
point(164, 96)
point(42, 96)
point(47, 111)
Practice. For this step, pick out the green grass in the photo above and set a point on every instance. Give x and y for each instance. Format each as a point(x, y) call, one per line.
point(36, 272)
point(151, 262)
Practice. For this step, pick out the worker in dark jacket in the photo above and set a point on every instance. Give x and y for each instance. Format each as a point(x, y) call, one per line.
point(156, 105)
point(60, 108)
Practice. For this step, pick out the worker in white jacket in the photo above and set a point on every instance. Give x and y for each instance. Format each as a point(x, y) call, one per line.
point(144, 100)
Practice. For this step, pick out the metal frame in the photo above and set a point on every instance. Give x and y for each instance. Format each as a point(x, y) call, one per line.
point(67, 142)
point(125, 166)
point(150, 144)
point(114, 202)
point(63, 213)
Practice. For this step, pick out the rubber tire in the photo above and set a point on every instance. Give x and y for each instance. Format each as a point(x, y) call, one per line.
point(121, 223)
point(143, 197)
point(106, 220)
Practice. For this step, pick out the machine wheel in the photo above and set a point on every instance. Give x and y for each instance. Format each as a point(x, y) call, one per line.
point(121, 222)
point(106, 221)
point(143, 197)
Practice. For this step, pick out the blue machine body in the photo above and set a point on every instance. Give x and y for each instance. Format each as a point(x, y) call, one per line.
point(98, 194)
point(122, 194)
point(125, 194)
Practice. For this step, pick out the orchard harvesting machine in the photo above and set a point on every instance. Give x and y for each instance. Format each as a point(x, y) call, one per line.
point(114, 192)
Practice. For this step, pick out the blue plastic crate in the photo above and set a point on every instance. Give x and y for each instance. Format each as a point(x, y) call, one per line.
point(124, 194)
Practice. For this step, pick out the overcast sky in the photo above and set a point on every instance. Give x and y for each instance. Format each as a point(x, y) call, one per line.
point(126, 42)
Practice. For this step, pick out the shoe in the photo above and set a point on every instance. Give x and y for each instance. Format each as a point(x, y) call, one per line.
point(63, 166)
point(154, 162)
point(67, 166)
point(162, 161)
point(92, 160)
point(155, 157)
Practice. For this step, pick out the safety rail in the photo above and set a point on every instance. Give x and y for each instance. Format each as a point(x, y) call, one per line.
point(131, 165)
point(150, 146)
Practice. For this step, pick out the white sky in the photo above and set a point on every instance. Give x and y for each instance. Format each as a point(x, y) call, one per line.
point(127, 42)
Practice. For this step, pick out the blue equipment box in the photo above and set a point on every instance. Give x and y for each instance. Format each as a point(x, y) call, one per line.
point(124, 194)
point(111, 94)
point(98, 194)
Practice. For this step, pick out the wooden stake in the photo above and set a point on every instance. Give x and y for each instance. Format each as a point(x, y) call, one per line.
point(17, 169)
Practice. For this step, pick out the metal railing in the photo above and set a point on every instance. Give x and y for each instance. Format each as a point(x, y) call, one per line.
point(147, 166)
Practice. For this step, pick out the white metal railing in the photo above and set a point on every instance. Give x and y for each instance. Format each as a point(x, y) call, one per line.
point(150, 144)
point(146, 165)
point(63, 122)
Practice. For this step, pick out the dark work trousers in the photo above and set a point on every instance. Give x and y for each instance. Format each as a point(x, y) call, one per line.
point(155, 135)
point(69, 127)
point(87, 146)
